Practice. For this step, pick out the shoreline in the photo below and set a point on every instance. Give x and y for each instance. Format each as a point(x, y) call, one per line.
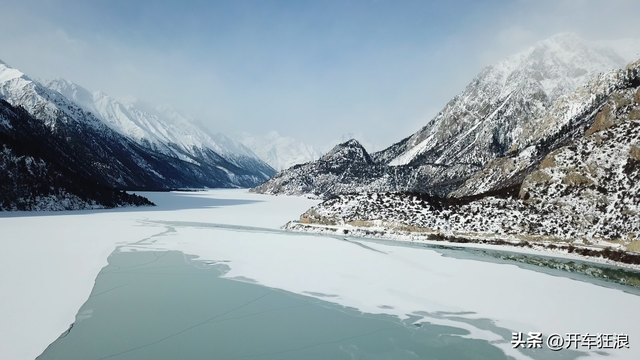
point(66, 251)
point(561, 250)
point(50, 259)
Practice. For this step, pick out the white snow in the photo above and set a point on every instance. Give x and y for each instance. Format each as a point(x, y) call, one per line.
point(7, 73)
point(405, 158)
point(160, 126)
point(555, 66)
point(49, 261)
point(278, 151)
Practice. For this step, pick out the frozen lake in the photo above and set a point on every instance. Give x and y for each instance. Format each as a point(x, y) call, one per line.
point(156, 305)
point(183, 272)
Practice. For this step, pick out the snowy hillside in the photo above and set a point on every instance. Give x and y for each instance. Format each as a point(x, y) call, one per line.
point(39, 172)
point(483, 121)
point(160, 128)
point(113, 159)
point(278, 151)
point(585, 192)
point(567, 119)
point(347, 168)
point(520, 108)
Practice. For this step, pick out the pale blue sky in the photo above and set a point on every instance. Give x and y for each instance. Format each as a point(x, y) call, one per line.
point(313, 70)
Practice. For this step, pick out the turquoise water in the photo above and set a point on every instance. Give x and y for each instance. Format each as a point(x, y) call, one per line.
point(163, 305)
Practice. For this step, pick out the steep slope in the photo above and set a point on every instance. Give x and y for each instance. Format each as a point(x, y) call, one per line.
point(37, 170)
point(111, 158)
point(566, 120)
point(278, 151)
point(165, 130)
point(346, 168)
point(521, 108)
point(586, 192)
point(484, 121)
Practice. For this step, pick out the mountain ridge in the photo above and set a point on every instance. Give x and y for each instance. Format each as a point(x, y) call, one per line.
point(113, 160)
point(160, 128)
point(583, 195)
point(39, 171)
point(500, 113)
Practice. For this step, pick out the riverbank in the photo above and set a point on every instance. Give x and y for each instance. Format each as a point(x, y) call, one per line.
point(601, 254)
point(49, 265)
point(49, 260)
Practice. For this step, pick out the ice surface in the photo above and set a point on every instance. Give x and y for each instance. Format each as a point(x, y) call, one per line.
point(49, 263)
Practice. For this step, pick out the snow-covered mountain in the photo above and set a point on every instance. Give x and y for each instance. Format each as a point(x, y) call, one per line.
point(507, 108)
point(39, 171)
point(125, 148)
point(346, 168)
point(569, 118)
point(278, 151)
point(160, 128)
point(587, 192)
point(484, 120)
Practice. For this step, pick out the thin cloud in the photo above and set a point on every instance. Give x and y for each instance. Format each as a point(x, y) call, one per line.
point(382, 69)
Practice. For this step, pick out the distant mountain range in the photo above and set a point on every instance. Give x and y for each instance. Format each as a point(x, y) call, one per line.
point(163, 129)
point(522, 107)
point(117, 146)
point(65, 147)
point(278, 151)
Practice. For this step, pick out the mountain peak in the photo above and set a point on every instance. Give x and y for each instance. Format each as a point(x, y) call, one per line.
point(559, 64)
point(350, 150)
point(352, 142)
point(279, 151)
point(487, 119)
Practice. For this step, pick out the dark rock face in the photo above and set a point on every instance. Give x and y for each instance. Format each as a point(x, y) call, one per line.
point(38, 170)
